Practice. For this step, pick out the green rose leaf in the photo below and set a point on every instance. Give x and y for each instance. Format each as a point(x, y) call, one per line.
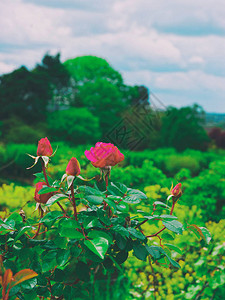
point(70, 233)
point(47, 189)
point(135, 233)
point(55, 199)
point(174, 226)
point(94, 199)
point(98, 243)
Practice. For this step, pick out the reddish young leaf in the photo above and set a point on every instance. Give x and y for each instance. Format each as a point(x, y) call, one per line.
point(22, 276)
point(6, 280)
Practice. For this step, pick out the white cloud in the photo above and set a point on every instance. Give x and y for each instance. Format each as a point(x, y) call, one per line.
point(175, 46)
point(6, 68)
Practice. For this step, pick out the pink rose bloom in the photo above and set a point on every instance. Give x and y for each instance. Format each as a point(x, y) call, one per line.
point(44, 148)
point(176, 191)
point(73, 167)
point(41, 198)
point(104, 155)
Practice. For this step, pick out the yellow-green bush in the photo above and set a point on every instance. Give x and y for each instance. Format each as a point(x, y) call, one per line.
point(202, 268)
point(13, 198)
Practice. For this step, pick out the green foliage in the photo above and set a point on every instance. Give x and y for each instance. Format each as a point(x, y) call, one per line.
point(13, 198)
point(207, 191)
point(93, 234)
point(16, 131)
point(99, 88)
point(74, 125)
point(26, 94)
point(174, 163)
point(202, 268)
point(182, 128)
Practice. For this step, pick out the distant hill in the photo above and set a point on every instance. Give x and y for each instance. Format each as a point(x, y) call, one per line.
point(215, 119)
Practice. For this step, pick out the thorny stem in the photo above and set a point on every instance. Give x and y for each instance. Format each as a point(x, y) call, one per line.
point(47, 182)
point(106, 183)
point(153, 273)
point(74, 202)
point(50, 288)
point(39, 226)
point(171, 212)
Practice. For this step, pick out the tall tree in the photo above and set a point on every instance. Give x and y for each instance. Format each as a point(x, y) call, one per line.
point(26, 94)
point(100, 88)
point(183, 128)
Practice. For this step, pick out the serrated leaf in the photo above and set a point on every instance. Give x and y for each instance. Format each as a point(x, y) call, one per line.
point(121, 257)
point(174, 226)
point(62, 256)
point(135, 233)
point(122, 206)
point(161, 203)
point(111, 204)
point(69, 223)
point(117, 189)
point(90, 191)
point(174, 248)
point(194, 228)
point(167, 217)
point(40, 176)
point(206, 233)
point(50, 217)
point(140, 251)
point(55, 198)
point(155, 251)
point(121, 230)
point(98, 243)
point(21, 232)
point(70, 233)
point(167, 236)
point(46, 190)
point(90, 222)
point(23, 275)
point(94, 199)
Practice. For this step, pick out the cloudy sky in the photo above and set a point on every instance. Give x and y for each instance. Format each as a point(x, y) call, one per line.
point(176, 48)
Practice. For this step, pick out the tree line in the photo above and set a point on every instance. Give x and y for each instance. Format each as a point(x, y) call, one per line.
point(84, 100)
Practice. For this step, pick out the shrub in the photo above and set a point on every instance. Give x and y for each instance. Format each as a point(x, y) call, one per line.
point(13, 198)
point(16, 131)
point(68, 247)
point(74, 125)
point(207, 191)
point(174, 163)
point(198, 264)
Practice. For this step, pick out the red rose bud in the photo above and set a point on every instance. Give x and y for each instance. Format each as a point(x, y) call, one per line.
point(44, 148)
point(44, 197)
point(73, 167)
point(104, 155)
point(176, 191)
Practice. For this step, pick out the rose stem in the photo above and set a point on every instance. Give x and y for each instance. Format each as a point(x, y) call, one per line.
point(74, 202)
point(39, 226)
point(106, 183)
point(171, 212)
point(46, 180)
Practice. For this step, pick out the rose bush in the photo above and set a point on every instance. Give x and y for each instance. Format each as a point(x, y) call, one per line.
point(92, 232)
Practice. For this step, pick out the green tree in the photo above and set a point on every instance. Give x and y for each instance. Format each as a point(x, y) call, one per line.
point(100, 88)
point(74, 125)
point(23, 94)
point(183, 128)
point(26, 94)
